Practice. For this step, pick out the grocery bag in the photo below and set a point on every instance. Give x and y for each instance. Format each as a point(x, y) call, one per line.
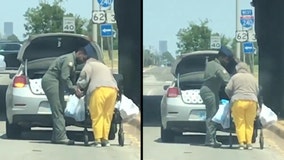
point(75, 108)
point(223, 115)
point(266, 116)
point(127, 108)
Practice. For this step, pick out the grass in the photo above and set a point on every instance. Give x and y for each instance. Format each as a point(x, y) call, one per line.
point(107, 60)
point(255, 69)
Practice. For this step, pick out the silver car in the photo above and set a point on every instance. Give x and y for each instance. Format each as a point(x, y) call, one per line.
point(182, 109)
point(26, 103)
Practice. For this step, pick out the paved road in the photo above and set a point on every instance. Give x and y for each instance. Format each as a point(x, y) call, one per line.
point(35, 145)
point(191, 145)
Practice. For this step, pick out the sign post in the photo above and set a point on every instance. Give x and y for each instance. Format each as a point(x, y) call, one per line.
point(105, 17)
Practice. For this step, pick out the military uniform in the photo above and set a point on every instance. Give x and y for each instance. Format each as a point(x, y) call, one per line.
point(59, 77)
point(215, 76)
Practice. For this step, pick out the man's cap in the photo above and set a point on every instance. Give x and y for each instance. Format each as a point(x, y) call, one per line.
point(226, 51)
point(90, 50)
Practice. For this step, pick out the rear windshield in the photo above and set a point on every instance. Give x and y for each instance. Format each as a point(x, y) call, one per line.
point(193, 63)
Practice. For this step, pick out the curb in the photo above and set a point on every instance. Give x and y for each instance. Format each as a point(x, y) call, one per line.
point(136, 122)
point(278, 129)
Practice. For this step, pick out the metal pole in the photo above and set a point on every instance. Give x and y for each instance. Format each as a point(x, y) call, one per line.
point(238, 47)
point(95, 30)
point(111, 44)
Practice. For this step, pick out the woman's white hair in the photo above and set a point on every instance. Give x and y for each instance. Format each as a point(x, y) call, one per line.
point(242, 66)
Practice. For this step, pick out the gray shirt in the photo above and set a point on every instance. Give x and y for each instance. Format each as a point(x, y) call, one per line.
point(242, 86)
point(215, 75)
point(95, 74)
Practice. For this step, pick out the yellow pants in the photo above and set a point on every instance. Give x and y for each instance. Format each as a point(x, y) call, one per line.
point(101, 106)
point(244, 113)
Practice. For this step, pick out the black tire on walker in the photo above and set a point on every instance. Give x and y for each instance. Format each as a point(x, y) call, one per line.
point(121, 139)
point(261, 140)
point(86, 137)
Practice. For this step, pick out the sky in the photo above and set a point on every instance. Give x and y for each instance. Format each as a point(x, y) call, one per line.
point(13, 11)
point(162, 19)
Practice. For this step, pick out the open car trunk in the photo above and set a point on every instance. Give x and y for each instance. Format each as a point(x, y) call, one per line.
point(39, 51)
point(189, 73)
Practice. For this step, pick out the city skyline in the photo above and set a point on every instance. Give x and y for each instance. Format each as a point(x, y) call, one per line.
point(8, 29)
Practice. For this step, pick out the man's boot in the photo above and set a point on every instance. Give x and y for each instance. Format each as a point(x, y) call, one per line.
point(209, 140)
point(216, 143)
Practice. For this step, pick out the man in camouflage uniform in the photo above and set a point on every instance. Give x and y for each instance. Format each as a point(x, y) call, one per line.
point(59, 77)
point(215, 76)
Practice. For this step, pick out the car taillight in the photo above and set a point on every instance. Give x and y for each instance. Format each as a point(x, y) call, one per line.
point(173, 92)
point(19, 81)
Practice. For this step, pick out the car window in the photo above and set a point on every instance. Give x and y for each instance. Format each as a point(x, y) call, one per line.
point(193, 64)
point(9, 46)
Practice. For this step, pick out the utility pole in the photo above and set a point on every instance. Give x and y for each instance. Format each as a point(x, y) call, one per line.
point(238, 27)
point(95, 26)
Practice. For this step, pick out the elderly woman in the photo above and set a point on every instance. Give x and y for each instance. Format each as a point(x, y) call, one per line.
point(243, 90)
point(97, 80)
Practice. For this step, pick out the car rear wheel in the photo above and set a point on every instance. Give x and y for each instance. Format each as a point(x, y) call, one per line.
point(13, 131)
point(167, 135)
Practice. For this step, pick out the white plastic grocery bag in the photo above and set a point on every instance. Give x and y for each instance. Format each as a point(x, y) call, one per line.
point(223, 115)
point(266, 116)
point(127, 108)
point(75, 108)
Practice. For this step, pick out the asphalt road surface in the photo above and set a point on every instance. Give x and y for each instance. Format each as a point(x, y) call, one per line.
point(190, 145)
point(35, 144)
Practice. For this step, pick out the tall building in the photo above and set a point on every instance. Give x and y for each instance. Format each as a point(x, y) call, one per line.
point(8, 29)
point(163, 46)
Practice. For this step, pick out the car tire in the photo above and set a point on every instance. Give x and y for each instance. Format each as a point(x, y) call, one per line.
point(167, 135)
point(13, 131)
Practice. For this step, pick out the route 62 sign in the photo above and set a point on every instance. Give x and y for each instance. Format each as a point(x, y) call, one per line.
point(241, 36)
point(99, 17)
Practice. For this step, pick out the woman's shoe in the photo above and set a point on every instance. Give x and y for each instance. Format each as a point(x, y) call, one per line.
point(105, 143)
point(97, 144)
point(242, 147)
point(249, 147)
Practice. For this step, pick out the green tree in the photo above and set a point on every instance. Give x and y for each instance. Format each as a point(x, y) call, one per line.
point(13, 38)
point(197, 37)
point(47, 18)
point(194, 37)
point(167, 56)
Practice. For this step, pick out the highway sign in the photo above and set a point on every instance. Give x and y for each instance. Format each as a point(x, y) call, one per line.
point(251, 36)
point(105, 3)
point(98, 17)
point(248, 47)
point(241, 35)
point(246, 12)
point(247, 19)
point(215, 42)
point(106, 30)
point(110, 16)
point(69, 24)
